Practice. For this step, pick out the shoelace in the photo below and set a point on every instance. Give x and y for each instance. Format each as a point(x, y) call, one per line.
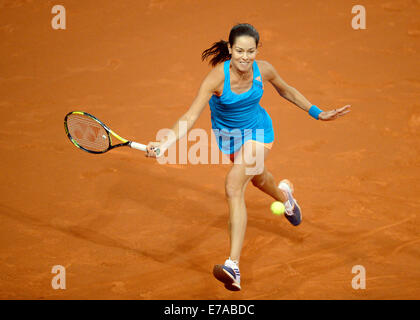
point(234, 266)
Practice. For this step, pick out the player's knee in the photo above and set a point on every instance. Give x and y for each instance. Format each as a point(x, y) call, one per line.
point(259, 181)
point(232, 188)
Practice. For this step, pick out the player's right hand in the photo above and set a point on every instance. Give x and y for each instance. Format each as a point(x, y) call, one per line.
point(151, 149)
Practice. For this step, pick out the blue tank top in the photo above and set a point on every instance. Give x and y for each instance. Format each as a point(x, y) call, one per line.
point(237, 118)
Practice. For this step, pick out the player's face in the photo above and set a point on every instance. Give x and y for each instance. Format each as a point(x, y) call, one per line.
point(244, 52)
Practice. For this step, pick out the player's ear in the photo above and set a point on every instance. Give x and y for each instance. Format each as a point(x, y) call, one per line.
point(229, 48)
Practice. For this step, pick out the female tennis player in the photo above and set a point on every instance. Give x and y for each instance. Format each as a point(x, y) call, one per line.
point(243, 130)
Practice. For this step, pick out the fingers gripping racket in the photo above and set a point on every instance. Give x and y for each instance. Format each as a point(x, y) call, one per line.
point(90, 134)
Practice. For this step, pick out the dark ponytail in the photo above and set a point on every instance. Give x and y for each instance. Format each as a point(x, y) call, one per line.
point(219, 50)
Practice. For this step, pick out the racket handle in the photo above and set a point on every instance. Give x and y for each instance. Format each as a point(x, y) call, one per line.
point(141, 147)
point(138, 146)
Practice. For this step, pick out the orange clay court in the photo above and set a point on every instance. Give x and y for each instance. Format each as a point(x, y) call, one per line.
point(126, 227)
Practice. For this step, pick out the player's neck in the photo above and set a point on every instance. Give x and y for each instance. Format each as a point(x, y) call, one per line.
point(241, 75)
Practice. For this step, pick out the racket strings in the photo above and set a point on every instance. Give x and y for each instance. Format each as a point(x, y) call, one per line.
point(88, 133)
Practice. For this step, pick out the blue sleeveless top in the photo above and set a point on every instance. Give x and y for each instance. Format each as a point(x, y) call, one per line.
point(237, 118)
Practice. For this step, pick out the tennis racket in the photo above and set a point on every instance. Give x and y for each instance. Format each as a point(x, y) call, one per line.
point(92, 135)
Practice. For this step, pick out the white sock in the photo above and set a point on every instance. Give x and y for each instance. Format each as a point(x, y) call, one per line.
point(236, 262)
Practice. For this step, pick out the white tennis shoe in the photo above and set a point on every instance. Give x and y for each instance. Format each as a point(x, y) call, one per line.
point(229, 274)
point(293, 213)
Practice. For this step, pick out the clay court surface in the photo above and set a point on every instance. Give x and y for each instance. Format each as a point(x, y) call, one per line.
point(126, 227)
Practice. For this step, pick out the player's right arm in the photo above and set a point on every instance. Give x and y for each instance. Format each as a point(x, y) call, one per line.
point(210, 85)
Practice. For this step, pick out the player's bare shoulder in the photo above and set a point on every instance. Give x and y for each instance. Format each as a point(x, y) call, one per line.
point(266, 69)
point(215, 79)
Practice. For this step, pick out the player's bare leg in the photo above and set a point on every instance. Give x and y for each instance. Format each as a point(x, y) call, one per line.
point(282, 192)
point(237, 180)
point(235, 185)
point(266, 183)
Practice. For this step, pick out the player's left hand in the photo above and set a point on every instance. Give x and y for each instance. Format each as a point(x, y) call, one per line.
point(334, 114)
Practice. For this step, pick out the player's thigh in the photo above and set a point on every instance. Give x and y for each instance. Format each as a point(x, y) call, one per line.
point(249, 162)
point(236, 180)
point(252, 156)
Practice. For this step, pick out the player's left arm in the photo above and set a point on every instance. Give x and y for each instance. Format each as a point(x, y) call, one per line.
point(294, 96)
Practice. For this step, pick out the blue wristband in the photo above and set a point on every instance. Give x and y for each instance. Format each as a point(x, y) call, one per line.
point(314, 112)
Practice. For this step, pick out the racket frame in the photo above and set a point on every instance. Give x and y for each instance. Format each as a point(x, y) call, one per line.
point(109, 132)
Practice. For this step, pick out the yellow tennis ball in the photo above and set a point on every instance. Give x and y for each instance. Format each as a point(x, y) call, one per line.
point(277, 208)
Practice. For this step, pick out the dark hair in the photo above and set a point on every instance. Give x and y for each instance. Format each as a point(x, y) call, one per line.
point(219, 50)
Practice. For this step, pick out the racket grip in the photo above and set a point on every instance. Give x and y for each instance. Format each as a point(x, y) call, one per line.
point(142, 147)
point(138, 146)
